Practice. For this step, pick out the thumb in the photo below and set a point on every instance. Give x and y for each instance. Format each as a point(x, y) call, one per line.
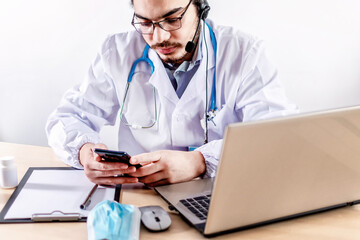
point(95, 155)
point(146, 158)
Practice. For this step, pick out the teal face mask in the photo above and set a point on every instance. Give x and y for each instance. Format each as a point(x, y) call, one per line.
point(113, 220)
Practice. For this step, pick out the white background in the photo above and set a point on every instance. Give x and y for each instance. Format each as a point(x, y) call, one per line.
point(46, 47)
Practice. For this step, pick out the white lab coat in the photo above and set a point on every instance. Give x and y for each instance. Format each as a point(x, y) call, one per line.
point(247, 89)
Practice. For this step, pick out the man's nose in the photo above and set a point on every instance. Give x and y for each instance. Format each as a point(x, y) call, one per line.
point(160, 35)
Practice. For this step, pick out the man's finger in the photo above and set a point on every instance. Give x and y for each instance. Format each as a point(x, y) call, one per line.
point(148, 169)
point(153, 178)
point(115, 180)
point(95, 155)
point(111, 173)
point(145, 158)
point(108, 166)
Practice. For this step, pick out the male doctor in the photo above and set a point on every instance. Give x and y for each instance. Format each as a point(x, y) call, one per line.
point(170, 103)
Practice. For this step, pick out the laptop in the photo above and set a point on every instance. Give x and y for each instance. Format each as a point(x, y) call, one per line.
point(274, 170)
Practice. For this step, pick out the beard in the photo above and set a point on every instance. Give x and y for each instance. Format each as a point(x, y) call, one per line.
point(175, 58)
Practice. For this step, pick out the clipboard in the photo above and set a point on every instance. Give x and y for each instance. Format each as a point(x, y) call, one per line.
point(52, 194)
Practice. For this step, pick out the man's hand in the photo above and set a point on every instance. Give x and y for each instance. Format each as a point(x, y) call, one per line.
point(167, 166)
point(101, 172)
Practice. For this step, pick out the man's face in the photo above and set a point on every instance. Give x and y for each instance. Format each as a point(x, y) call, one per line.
point(170, 46)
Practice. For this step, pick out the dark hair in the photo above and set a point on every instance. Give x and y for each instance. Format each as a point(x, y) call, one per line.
point(199, 4)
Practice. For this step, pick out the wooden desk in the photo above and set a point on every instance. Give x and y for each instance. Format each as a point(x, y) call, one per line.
point(342, 223)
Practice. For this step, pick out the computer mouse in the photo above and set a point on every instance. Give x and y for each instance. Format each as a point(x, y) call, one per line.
point(155, 218)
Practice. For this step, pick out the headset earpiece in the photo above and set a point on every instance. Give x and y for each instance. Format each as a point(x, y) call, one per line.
point(205, 8)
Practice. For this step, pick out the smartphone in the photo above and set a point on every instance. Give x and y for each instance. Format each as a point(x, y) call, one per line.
point(114, 156)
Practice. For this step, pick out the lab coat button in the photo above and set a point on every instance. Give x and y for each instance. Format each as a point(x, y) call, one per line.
point(180, 118)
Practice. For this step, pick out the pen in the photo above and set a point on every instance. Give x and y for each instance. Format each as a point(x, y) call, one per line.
point(117, 193)
point(88, 198)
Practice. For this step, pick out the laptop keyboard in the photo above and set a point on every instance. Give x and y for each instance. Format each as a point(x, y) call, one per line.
point(199, 205)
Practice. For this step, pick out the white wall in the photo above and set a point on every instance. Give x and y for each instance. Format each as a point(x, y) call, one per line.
point(47, 46)
point(315, 44)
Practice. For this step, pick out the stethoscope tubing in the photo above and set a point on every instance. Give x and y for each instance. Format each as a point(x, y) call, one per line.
point(144, 58)
point(213, 90)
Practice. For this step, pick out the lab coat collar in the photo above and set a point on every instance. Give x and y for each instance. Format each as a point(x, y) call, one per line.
point(160, 80)
point(209, 43)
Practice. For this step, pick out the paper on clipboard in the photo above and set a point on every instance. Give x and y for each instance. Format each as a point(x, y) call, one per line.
point(47, 191)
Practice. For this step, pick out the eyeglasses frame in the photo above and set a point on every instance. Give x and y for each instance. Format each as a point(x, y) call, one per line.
point(159, 22)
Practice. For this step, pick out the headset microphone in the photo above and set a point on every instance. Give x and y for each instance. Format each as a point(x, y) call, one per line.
point(190, 46)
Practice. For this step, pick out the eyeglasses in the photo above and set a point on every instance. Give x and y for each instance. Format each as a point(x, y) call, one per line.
point(169, 24)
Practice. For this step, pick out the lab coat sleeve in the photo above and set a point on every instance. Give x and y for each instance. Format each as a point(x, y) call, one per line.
point(211, 153)
point(82, 112)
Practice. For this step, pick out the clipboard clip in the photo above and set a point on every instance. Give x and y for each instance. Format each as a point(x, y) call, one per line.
point(55, 216)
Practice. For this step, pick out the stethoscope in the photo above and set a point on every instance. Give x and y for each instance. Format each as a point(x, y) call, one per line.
point(146, 59)
point(210, 114)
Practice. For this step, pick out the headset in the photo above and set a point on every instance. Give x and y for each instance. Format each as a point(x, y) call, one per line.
point(203, 10)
